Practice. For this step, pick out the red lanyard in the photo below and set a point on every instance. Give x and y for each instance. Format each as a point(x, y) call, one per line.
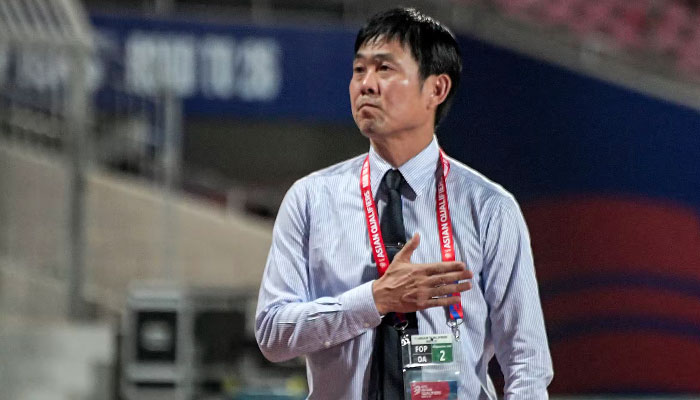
point(444, 224)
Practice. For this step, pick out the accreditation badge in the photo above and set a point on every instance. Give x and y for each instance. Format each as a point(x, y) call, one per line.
point(430, 370)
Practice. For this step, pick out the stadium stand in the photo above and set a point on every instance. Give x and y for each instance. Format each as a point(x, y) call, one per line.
point(644, 28)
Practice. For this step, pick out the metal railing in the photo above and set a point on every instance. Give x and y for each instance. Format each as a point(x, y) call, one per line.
point(53, 119)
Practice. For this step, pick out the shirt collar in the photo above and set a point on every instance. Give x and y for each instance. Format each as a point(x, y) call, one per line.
point(417, 171)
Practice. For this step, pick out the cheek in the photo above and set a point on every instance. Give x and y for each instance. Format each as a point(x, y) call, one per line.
point(402, 103)
point(353, 93)
point(400, 94)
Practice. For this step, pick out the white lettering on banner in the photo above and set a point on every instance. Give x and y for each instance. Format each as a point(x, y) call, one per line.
point(42, 70)
point(139, 53)
point(260, 72)
point(163, 61)
point(216, 67)
point(219, 67)
point(182, 71)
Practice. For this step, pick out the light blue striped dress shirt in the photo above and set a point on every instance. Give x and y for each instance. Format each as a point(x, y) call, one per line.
point(316, 294)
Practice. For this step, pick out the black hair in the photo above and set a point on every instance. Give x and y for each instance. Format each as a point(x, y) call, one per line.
point(432, 45)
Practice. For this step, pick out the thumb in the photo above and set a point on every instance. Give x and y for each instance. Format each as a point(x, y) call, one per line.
point(407, 251)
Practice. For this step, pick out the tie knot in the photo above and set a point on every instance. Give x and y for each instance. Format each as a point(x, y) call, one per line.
point(393, 179)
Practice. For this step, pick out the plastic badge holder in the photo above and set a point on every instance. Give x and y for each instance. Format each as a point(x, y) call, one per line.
point(430, 370)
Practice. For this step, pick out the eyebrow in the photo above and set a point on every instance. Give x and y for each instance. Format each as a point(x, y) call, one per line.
point(378, 56)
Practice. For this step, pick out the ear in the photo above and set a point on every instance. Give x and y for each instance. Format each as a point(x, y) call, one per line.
point(438, 87)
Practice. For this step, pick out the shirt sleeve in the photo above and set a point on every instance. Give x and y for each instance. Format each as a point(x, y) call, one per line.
point(288, 322)
point(517, 323)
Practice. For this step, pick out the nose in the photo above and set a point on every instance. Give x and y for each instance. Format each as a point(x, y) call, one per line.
point(369, 83)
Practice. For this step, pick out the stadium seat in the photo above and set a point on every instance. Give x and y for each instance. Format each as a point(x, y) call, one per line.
point(668, 35)
point(518, 8)
point(689, 54)
point(559, 12)
point(629, 21)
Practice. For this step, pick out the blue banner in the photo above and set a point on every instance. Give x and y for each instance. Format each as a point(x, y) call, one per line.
point(298, 73)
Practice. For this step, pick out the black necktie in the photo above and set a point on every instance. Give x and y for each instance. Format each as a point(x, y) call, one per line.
point(391, 224)
point(386, 375)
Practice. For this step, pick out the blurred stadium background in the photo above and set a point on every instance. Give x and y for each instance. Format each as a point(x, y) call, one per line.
point(145, 146)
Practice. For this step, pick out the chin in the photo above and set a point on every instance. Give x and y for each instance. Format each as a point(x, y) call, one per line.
point(368, 128)
point(371, 126)
point(371, 132)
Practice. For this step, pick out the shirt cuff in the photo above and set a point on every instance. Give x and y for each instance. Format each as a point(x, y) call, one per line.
point(358, 304)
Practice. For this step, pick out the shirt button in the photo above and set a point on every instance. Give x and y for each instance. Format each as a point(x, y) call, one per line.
point(327, 344)
point(366, 325)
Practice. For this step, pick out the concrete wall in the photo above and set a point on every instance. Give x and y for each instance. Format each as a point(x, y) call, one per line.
point(133, 231)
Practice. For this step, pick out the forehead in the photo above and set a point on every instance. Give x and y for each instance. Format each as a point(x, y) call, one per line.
point(379, 47)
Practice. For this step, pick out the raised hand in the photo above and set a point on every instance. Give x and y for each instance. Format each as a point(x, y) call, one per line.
point(407, 287)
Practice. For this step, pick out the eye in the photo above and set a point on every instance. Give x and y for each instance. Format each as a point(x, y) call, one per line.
point(358, 69)
point(384, 67)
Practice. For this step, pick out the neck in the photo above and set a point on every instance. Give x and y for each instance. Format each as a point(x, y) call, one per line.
point(397, 150)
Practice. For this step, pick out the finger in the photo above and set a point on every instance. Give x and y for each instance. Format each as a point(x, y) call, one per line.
point(438, 302)
point(447, 278)
point(442, 267)
point(407, 251)
point(449, 289)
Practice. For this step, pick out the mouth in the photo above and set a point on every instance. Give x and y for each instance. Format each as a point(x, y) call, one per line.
point(366, 105)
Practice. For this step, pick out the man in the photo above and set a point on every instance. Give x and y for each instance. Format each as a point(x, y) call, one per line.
point(327, 292)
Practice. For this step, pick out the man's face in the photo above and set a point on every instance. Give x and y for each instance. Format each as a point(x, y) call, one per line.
point(386, 93)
